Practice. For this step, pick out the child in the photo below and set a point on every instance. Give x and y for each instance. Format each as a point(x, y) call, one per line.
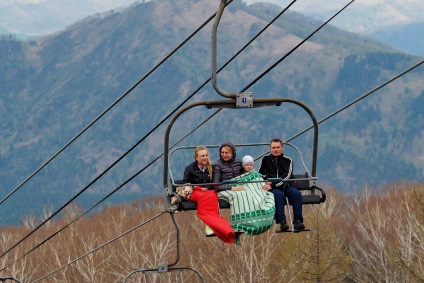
point(252, 209)
point(247, 163)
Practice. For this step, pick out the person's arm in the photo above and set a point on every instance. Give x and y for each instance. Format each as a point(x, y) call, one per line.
point(187, 178)
point(262, 170)
point(237, 188)
point(262, 167)
point(286, 172)
point(217, 178)
point(288, 168)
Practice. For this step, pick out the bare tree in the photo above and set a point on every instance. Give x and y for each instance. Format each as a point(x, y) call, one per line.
point(322, 250)
point(385, 241)
point(409, 251)
point(370, 237)
point(46, 213)
point(30, 222)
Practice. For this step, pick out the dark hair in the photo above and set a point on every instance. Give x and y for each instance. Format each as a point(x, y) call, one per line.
point(276, 140)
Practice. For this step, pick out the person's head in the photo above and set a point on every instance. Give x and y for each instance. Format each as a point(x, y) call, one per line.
point(276, 147)
point(227, 151)
point(247, 163)
point(201, 155)
point(184, 191)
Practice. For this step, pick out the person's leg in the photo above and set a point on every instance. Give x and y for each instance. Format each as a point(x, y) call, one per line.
point(220, 226)
point(295, 198)
point(208, 212)
point(280, 202)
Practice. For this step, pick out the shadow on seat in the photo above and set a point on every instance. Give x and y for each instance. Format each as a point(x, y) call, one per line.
point(304, 186)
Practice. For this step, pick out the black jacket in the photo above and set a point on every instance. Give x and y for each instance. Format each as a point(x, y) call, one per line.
point(276, 167)
point(193, 175)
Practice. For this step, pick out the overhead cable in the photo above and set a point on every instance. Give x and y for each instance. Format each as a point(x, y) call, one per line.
point(360, 98)
point(128, 180)
point(108, 108)
point(103, 245)
point(150, 132)
point(294, 49)
point(321, 121)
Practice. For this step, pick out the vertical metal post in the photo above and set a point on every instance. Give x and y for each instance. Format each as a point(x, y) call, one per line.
point(214, 48)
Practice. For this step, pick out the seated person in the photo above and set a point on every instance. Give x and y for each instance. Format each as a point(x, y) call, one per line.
point(227, 167)
point(252, 209)
point(208, 212)
point(277, 165)
point(198, 172)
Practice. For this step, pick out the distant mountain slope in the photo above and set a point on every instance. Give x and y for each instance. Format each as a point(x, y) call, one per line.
point(31, 18)
point(384, 20)
point(362, 16)
point(409, 38)
point(53, 87)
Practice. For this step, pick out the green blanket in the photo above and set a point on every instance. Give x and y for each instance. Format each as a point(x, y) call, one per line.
point(252, 209)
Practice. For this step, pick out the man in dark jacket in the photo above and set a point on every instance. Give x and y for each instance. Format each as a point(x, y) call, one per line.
point(277, 165)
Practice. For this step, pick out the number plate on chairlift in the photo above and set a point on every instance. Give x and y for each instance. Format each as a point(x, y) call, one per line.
point(244, 100)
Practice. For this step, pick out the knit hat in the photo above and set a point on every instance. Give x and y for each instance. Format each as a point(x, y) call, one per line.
point(246, 159)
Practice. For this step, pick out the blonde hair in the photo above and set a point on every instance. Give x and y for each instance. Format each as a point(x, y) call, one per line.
point(209, 165)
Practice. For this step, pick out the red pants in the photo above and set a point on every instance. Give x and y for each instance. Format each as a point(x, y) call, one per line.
point(208, 212)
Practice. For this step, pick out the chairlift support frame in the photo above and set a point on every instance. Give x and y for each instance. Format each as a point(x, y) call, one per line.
point(163, 268)
point(6, 279)
point(259, 102)
point(235, 101)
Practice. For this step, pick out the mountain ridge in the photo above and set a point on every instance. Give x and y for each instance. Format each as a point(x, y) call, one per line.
point(376, 19)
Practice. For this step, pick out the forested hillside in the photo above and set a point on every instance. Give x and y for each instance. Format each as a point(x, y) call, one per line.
point(359, 238)
point(53, 87)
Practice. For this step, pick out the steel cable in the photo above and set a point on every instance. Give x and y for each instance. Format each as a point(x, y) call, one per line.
point(321, 121)
point(107, 109)
point(293, 137)
point(254, 81)
point(135, 145)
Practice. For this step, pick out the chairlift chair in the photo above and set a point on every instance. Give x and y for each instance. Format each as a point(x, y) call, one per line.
point(304, 182)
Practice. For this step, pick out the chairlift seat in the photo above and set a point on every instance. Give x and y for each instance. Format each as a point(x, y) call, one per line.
point(302, 185)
